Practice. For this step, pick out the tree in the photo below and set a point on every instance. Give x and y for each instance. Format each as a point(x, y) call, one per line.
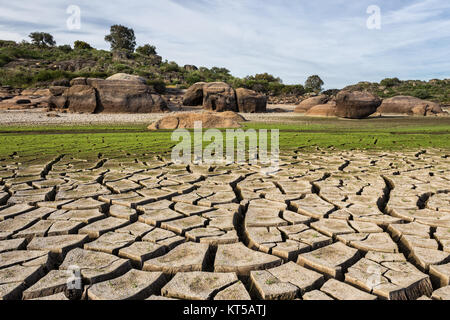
point(390, 82)
point(42, 39)
point(146, 50)
point(80, 45)
point(314, 83)
point(264, 77)
point(121, 38)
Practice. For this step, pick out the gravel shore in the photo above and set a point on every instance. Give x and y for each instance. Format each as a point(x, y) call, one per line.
point(41, 117)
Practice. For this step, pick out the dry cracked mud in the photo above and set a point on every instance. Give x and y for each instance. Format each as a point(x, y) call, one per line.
point(328, 225)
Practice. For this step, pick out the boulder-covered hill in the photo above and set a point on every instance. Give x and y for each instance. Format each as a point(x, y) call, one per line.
point(23, 65)
point(434, 90)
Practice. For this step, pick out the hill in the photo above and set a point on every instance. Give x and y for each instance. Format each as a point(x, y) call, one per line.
point(25, 65)
point(434, 90)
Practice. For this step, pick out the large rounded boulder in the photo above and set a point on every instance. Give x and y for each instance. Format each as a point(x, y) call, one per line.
point(219, 97)
point(356, 104)
point(407, 105)
point(194, 95)
point(123, 96)
point(122, 93)
point(323, 110)
point(208, 119)
point(309, 103)
point(250, 101)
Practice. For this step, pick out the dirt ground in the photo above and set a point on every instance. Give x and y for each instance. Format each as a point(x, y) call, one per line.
point(327, 225)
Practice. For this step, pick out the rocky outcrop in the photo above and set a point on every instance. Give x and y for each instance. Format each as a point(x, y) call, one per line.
point(249, 101)
point(407, 105)
point(194, 95)
point(78, 81)
point(307, 104)
point(356, 104)
point(190, 67)
point(219, 97)
point(81, 98)
point(120, 93)
point(323, 110)
point(58, 99)
point(123, 96)
point(13, 99)
point(208, 120)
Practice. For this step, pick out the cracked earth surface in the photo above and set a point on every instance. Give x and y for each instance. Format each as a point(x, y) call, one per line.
point(328, 225)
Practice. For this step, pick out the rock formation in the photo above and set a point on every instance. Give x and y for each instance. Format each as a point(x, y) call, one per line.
point(409, 106)
point(208, 119)
point(356, 104)
point(250, 101)
point(120, 93)
point(323, 110)
point(194, 95)
point(307, 104)
point(219, 97)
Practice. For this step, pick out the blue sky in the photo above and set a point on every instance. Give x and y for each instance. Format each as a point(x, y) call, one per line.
point(291, 39)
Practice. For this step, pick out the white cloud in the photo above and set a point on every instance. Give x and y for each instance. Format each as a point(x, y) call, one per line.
point(289, 38)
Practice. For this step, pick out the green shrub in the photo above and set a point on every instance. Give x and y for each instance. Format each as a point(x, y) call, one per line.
point(293, 89)
point(170, 67)
point(4, 59)
point(49, 75)
point(390, 82)
point(16, 79)
point(7, 43)
point(65, 48)
point(158, 85)
point(81, 45)
point(92, 74)
point(119, 67)
point(146, 50)
point(421, 94)
point(194, 77)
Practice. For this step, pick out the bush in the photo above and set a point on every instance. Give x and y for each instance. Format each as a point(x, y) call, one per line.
point(16, 79)
point(390, 82)
point(194, 77)
point(146, 50)
point(119, 67)
point(7, 43)
point(92, 74)
point(297, 90)
point(65, 48)
point(264, 77)
point(20, 52)
point(4, 59)
point(158, 85)
point(49, 75)
point(170, 67)
point(81, 45)
point(421, 94)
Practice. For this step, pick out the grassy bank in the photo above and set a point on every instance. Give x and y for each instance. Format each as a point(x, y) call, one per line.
point(116, 140)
